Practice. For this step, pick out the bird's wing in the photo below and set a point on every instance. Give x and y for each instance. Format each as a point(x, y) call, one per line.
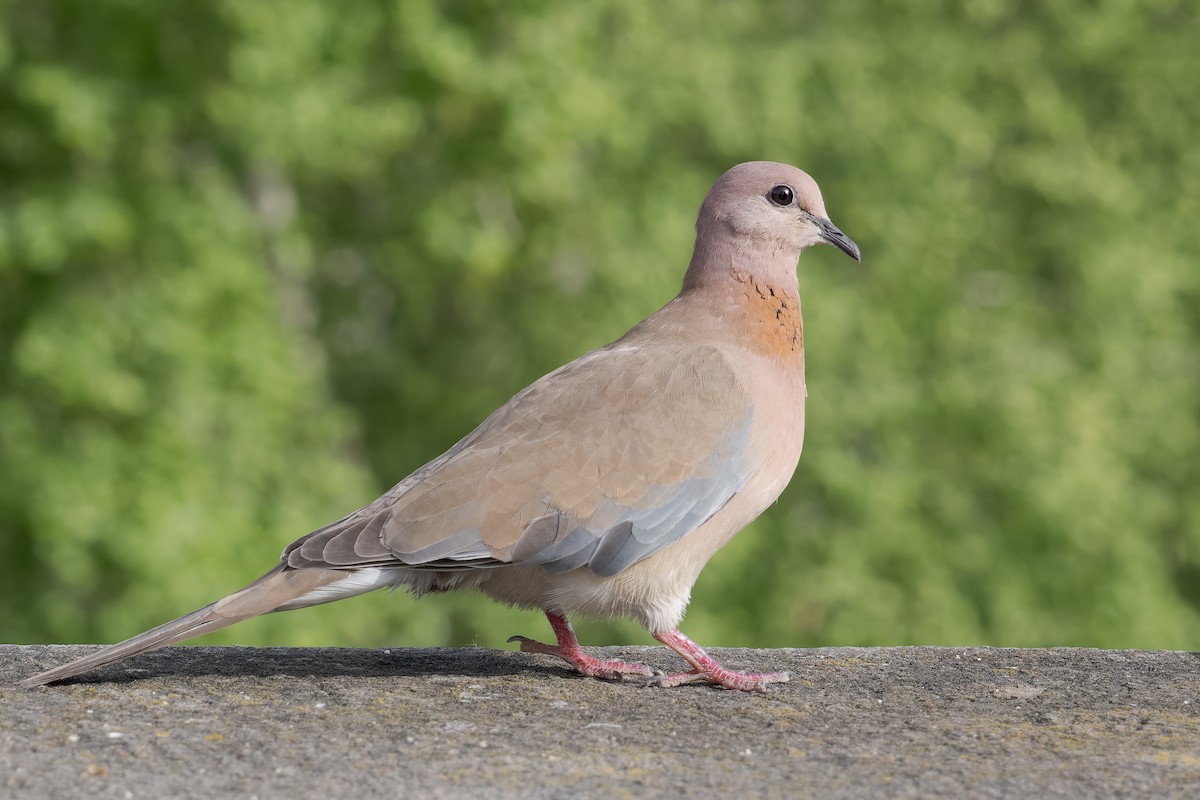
point(599, 464)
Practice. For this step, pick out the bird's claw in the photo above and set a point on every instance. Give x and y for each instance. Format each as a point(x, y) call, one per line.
point(607, 669)
point(723, 678)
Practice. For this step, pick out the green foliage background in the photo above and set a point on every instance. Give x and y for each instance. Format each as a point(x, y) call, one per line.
point(261, 258)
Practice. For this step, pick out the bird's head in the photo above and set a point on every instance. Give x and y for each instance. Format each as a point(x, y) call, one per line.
point(763, 206)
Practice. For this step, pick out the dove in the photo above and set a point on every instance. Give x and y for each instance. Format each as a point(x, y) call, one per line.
point(603, 488)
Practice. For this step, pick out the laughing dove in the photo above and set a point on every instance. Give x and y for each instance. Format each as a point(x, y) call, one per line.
point(604, 487)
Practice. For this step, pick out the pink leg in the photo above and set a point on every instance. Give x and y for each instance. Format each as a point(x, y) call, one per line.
point(707, 670)
point(568, 650)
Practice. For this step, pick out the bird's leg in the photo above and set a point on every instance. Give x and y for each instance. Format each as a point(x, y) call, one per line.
point(568, 650)
point(705, 668)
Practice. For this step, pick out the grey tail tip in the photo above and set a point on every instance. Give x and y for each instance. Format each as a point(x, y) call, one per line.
point(188, 626)
point(272, 592)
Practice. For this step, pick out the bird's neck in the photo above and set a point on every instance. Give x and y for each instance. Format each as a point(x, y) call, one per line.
point(759, 306)
point(766, 317)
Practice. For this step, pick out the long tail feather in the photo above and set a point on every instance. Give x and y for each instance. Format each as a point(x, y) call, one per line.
point(278, 588)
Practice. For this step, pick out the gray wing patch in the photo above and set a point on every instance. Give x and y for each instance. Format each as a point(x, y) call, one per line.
point(671, 513)
point(537, 536)
point(353, 545)
point(464, 545)
point(357, 543)
point(570, 552)
point(610, 553)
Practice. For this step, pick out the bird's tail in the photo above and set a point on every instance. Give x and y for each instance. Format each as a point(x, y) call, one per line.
point(280, 589)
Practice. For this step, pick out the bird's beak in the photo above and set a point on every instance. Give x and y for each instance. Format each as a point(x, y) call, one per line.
point(831, 234)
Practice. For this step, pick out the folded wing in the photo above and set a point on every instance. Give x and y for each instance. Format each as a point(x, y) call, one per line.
point(599, 464)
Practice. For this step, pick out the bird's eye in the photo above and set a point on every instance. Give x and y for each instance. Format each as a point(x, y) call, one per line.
point(781, 195)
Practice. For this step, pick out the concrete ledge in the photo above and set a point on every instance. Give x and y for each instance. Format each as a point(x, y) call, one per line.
point(896, 722)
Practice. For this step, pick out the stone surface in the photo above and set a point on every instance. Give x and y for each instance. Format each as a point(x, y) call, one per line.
point(896, 722)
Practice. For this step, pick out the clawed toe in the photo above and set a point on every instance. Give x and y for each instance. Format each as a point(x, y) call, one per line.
point(723, 678)
point(704, 668)
point(568, 649)
point(533, 646)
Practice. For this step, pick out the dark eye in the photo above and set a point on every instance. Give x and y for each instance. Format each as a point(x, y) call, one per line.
point(781, 195)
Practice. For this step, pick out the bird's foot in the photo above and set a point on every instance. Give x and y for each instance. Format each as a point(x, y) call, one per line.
point(726, 678)
point(609, 669)
point(568, 649)
point(705, 668)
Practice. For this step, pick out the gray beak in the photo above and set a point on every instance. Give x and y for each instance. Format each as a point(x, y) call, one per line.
point(831, 234)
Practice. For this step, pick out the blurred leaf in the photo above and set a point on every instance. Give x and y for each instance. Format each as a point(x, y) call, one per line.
point(260, 259)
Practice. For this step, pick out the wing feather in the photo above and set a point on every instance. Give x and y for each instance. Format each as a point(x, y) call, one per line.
point(600, 464)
